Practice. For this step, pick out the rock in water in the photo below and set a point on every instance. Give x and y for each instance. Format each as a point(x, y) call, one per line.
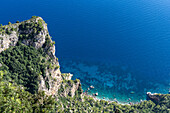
point(92, 87)
point(132, 92)
point(96, 94)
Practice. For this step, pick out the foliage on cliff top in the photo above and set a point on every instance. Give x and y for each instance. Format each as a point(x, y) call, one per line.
point(24, 65)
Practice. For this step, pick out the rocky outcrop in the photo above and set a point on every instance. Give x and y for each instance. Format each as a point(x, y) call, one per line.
point(159, 98)
point(70, 88)
point(7, 40)
point(31, 32)
point(34, 32)
point(66, 76)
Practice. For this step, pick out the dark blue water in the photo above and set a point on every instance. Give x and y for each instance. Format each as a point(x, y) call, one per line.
point(120, 37)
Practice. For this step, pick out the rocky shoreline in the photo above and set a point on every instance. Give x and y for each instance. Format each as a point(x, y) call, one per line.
point(155, 97)
point(28, 46)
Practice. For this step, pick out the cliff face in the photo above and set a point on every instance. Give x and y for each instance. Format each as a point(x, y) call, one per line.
point(31, 32)
point(34, 32)
point(27, 56)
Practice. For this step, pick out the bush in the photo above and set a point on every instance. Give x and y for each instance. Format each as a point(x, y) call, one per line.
point(23, 65)
point(9, 23)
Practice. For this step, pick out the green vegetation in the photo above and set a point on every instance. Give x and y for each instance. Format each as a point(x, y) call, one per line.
point(9, 23)
point(75, 104)
point(33, 26)
point(34, 16)
point(7, 29)
point(47, 41)
point(14, 99)
point(20, 70)
point(65, 75)
point(2, 30)
point(23, 65)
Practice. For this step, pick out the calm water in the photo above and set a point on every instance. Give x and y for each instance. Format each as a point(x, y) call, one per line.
point(118, 46)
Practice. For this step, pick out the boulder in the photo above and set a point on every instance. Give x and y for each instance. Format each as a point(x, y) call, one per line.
point(92, 87)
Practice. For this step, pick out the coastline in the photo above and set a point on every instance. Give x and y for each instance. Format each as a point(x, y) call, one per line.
point(68, 93)
point(110, 83)
point(96, 98)
point(110, 101)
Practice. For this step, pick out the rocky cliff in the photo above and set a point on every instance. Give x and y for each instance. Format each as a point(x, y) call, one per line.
point(27, 58)
point(159, 99)
point(34, 32)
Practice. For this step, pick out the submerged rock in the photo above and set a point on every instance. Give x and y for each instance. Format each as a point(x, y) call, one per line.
point(132, 92)
point(129, 99)
point(92, 87)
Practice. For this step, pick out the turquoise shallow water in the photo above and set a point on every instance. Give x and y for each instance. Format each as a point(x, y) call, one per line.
point(118, 46)
point(112, 81)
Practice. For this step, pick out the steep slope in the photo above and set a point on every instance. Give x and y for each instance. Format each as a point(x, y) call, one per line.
point(30, 56)
point(31, 81)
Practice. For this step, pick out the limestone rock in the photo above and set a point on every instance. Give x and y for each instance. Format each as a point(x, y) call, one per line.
point(158, 98)
point(92, 87)
point(66, 76)
point(96, 94)
point(34, 32)
point(69, 87)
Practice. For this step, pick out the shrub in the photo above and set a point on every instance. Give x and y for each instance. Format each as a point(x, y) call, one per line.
point(9, 23)
point(23, 65)
point(17, 21)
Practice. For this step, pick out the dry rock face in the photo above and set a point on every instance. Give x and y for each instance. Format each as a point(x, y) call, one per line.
point(27, 33)
point(70, 87)
point(34, 32)
point(8, 40)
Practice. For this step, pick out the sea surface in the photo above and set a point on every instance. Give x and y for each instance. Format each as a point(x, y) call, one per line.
point(121, 47)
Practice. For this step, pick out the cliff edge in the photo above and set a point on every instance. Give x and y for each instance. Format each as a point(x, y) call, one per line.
point(31, 81)
point(34, 33)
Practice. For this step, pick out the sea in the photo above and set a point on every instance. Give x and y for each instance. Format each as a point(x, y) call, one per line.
point(121, 47)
